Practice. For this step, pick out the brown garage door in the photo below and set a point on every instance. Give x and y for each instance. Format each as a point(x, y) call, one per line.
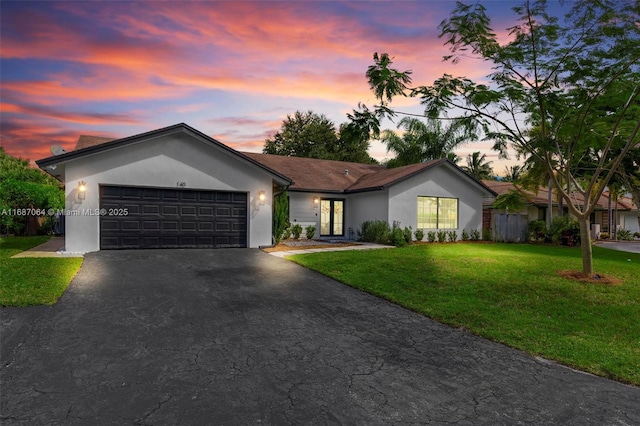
point(171, 218)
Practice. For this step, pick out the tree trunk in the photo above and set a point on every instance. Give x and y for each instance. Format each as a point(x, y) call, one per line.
point(585, 245)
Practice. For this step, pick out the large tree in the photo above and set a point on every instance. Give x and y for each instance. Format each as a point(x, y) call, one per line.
point(424, 140)
point(307, 134)
point(575, 78)
point(22, 190)
point(478, 166)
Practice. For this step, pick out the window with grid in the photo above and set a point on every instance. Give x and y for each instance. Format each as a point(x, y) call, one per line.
point(437, 213)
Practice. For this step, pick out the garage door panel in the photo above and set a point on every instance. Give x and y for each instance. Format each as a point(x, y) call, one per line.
point(173, 218)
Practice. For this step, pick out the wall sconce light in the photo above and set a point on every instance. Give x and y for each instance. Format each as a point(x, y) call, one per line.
point(82, 190)
point(261, 197)
point(316, 201)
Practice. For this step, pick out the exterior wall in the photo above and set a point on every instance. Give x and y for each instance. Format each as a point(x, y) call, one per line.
point(163, 162)
point(629, 220)
point(440, 181)
point(367, 206)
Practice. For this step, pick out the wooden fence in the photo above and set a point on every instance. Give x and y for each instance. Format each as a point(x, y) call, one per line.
point(510, 228)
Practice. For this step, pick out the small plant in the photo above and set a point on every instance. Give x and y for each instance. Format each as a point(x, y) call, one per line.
point(442, 236)
point(397, 235)
point(419, 234)
point(310, 231)
point(465, 235)
point(636, 235)
point(486, 234)
point(375, 231)
point(296, 230)
point(407, 234)
point(286, 234)
point(453, 236)
point(604, 235)
point(624, 234)
point(537, 230)
point(431, 236)
point(475, 235)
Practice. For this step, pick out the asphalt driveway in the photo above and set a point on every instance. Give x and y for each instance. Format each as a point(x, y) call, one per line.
point(228, 337)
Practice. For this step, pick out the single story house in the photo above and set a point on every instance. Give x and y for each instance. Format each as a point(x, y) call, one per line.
point(177, 187)
point(624, 213)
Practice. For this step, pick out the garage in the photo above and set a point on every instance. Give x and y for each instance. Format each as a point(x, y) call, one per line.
point(142, 217)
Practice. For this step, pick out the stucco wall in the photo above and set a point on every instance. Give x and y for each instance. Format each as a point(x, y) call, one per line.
point(367, 206)
point(440, 181)
point(163, 162)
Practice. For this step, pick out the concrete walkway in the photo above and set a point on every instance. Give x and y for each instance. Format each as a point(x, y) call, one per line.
point(359, 246)
point(52, 248)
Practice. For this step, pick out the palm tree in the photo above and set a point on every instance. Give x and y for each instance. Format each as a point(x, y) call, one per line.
point(423, 141)
point(478, 166)
point(513, 173)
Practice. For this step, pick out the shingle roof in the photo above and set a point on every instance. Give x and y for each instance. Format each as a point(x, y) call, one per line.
point(540, 197)
point(85, 141)
point(312, 174)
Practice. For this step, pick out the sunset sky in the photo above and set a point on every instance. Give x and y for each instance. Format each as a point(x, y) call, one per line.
point(232, 70)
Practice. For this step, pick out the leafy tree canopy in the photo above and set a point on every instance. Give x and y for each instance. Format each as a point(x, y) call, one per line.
point(307, 134)
point(575, 79)
point(478, 166)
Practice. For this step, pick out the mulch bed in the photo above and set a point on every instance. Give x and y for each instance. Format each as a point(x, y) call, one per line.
point(290, 247)
point(591, 279)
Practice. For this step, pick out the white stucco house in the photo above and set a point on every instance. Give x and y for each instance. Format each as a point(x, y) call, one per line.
point(176, 187)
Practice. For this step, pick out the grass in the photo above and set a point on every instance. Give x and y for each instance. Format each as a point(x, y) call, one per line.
point(510, 293)
point(32, 281)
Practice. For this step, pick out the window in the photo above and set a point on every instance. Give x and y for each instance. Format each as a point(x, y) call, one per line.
point(437, 213)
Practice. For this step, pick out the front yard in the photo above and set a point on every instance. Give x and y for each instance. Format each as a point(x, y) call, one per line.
point(32, 281)
point(510, 293)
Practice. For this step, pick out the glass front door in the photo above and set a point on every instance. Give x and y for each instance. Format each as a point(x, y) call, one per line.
point(331, 217)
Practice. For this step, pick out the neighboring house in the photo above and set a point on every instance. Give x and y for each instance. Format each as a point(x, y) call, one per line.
point(624, 212)
point(177, 187)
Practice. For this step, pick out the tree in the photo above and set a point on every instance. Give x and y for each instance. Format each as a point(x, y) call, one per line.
point(478, 166)
point(513, 173)
point(576, 79)
point(22, 188)
point(423, 141)
point(315, 136)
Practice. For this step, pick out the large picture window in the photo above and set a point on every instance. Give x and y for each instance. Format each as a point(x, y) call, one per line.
point(437, 213)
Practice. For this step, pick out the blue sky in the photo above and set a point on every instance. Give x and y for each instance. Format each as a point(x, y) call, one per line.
point(233, 70)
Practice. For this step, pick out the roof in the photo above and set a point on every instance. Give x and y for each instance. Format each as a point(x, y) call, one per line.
point(540, 198)
point(89, 145)
point(301, 173)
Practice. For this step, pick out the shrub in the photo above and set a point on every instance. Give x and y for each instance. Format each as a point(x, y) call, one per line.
point(564, 230)
point(310, 231)
point(486, 234)
point(475, 235)
point(604, 235)
point(465, 235)
point(281, 218)
point(431, 236)
point(442, 236)
point(397, 235)
point(286, 234)
point(453, 236)
point(537, 230)
point(407, 234)
point(636, 234)
point(375, 231)
point(419, 234)
point(296, 230)
point(624, 234)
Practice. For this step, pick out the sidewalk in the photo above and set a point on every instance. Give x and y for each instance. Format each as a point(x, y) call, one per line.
point(359, 246)
point(52, 248)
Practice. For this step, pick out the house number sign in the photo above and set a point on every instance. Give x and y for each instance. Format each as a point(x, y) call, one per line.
point(181, 184)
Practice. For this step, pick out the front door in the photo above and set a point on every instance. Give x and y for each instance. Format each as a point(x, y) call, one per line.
point(331, 217)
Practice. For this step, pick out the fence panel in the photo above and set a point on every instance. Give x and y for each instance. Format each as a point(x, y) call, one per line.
point(510, 228)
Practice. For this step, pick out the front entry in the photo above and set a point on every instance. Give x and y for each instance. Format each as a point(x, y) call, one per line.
point(331, 217)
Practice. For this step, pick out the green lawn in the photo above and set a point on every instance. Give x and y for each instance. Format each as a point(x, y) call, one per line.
point(510, 293)
point(32, 281)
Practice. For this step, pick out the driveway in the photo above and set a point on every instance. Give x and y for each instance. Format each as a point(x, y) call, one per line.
point(229, 337)
point(628, 246)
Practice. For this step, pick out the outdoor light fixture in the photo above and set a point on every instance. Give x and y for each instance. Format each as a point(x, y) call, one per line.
point(262, 196)
point(82, 189)
point(316, 200)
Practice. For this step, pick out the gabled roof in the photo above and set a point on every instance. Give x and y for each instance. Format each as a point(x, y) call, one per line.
point(89, 145)
point(539, 198)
